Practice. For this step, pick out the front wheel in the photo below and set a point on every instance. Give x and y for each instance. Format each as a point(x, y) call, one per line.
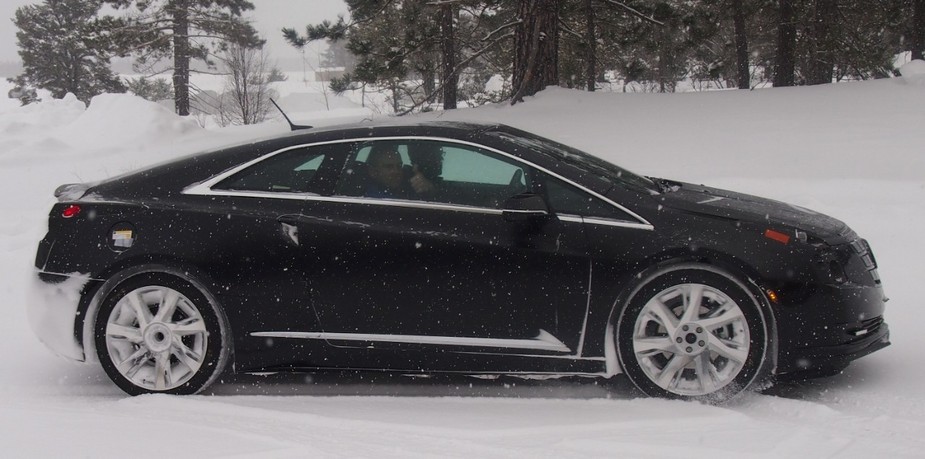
point(158, 333)
point(693, 331)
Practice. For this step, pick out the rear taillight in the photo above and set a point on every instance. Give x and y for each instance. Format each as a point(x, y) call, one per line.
point(70, 211)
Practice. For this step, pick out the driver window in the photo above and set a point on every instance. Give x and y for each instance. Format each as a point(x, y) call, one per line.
point(432, 171)
point(566, 199)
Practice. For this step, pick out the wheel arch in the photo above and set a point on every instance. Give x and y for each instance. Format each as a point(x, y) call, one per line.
point(726, 265)
point(119, 273)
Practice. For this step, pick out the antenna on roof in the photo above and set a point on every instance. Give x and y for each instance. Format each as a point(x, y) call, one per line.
point(294, 127)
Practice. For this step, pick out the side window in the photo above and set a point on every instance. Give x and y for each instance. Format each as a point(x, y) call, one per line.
point(566, 199)
point(432, 171)
point(294, 171)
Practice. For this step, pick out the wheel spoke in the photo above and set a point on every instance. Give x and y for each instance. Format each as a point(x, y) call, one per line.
point(161, 370)
point(186, 355)
point(130, 366)
point(654, 345)
point(693, 297)
point(116, 331)
point(724, 315)
point(706, 373)
point(672, 372)
point(168, 306)
point(142, 313)
point(663, 315)
point(189, 326)
point(729, 350)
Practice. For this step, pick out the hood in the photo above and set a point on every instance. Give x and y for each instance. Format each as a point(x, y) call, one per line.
point(704, 200)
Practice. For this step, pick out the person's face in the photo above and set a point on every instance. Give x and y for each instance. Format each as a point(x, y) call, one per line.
point(386, 170)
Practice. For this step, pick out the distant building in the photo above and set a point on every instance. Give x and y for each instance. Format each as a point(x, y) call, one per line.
point(329, 73)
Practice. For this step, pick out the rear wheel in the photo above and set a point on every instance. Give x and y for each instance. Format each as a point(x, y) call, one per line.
point(158, 333)
point(693, 331)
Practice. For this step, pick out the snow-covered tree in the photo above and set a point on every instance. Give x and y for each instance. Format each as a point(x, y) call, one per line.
point(65, 48)
point(183, 30)
point(153, 89)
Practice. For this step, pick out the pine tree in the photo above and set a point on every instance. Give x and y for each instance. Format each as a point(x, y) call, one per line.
point(184, 30)
point(66, 48)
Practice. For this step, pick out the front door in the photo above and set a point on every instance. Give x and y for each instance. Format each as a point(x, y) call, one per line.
point(413, 253)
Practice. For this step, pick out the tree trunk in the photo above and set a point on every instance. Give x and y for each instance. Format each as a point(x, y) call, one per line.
point(591, 38)
point(429, 83)
point(786, 45)
point(181, 57)
point(741, 39)
point(918, 29)
point(821, 64)
point(536, 48)
point(450, 77)
point(396, 97)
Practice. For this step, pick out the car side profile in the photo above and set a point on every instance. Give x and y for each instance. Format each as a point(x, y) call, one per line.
point(446, 247)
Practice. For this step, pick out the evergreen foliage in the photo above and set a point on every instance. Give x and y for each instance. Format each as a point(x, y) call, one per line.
point(153, 89)
point(65, 48)
point(639, 45)
point(181, 31)
point(427, 53)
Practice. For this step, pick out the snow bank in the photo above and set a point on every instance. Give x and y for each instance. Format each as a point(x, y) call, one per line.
point(852, 130)
point(18, 125)
point(124, 120)
point(913, 72)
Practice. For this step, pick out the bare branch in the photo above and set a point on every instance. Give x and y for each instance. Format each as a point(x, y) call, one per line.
point(502, 28)
point(634, 12)
point(456, 70)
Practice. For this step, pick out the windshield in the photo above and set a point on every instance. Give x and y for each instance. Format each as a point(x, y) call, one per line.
point(575, 157)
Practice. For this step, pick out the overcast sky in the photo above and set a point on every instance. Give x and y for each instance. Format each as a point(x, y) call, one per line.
point(269, 17)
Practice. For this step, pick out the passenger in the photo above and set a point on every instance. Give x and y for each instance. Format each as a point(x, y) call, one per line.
point(389, 178)
point(387, 175)
point(427, 165)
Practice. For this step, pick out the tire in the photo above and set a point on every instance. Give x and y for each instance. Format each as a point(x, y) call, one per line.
point(711, 353)
point(158, 333)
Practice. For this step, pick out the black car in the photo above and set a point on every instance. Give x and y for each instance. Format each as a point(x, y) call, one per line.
point(446, 247)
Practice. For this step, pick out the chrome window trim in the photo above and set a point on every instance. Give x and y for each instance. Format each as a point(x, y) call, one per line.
point(406, 203)
point(602, 221)
point(533, 344)
point(205, 188)
point(617, 223)
point(569, 218)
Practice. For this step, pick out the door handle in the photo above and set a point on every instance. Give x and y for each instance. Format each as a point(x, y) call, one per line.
point(290, 227)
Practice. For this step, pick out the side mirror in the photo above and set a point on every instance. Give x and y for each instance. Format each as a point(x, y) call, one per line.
point(524, 207)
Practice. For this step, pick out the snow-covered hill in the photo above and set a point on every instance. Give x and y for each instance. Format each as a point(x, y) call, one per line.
point(855, 151)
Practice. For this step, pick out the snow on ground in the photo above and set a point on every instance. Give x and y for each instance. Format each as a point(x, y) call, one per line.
point(855, 151)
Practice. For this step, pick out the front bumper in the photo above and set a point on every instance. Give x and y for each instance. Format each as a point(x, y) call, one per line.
point(53, 308)
point(830, 328)
point(834, 357)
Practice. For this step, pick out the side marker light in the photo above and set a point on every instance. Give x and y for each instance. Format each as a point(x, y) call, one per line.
point(70, 211)
point(777, 236)
point(772, 295)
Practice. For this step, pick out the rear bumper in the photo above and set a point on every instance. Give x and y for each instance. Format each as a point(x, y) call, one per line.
point(53, 309)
